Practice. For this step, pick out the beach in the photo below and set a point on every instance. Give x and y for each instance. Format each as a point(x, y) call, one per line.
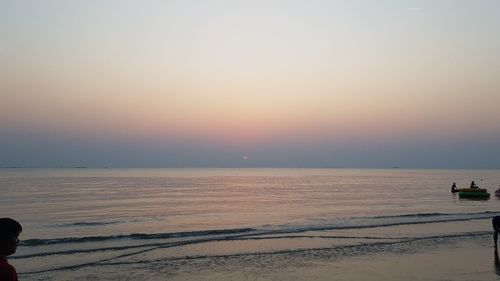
point(460, 261)
point(250, 224)
point(434, 251)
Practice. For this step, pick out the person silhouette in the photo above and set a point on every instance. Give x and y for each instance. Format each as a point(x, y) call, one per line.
point(454, 188)
point(9, 238)
point(496, 227)
point(473, 185)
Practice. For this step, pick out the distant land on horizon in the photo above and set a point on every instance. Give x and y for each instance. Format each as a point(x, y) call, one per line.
point(244, 167)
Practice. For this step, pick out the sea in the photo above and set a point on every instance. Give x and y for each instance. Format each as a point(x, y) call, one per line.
point(156, 224)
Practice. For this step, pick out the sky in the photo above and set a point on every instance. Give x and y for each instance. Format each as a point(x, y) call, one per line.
point(361, 84)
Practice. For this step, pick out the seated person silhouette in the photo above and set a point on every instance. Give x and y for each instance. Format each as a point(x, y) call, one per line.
point(473, 185)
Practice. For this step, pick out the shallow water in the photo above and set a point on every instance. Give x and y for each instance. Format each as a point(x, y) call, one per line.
point(103, 219)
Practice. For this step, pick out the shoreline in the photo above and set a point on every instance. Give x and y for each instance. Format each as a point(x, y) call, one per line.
point(436, 251)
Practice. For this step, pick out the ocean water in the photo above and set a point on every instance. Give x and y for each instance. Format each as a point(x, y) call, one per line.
point(158, 223)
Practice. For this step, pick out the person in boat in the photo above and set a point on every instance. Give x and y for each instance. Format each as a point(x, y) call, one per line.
point(454, 188)
point(9, 238)
point(496, 227)
point(473, 185)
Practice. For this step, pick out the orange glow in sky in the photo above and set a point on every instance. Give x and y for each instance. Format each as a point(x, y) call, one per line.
point(251, 73)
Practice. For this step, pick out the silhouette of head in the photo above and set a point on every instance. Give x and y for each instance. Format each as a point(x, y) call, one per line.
point(9, 236)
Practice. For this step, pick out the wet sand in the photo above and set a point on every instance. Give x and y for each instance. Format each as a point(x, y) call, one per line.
point(471, 260)
point(459, 250)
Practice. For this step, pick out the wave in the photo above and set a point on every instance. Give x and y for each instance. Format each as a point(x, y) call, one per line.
point(86, 224)
point(353, 223)
point(137, 236)
point(195, 241)
point(383, 221)
point(363, 248)
point(435, 215)
point(439, 238)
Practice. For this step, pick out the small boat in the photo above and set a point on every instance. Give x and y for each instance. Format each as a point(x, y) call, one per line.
point(473, 190)
point(474, 193)
point(497, 192)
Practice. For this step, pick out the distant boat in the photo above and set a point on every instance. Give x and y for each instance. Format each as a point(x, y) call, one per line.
point(476, 193)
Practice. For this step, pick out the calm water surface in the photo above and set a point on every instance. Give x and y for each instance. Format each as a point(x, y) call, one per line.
point(83, 202)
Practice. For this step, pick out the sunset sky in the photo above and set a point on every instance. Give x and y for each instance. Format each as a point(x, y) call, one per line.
point(377, 84)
